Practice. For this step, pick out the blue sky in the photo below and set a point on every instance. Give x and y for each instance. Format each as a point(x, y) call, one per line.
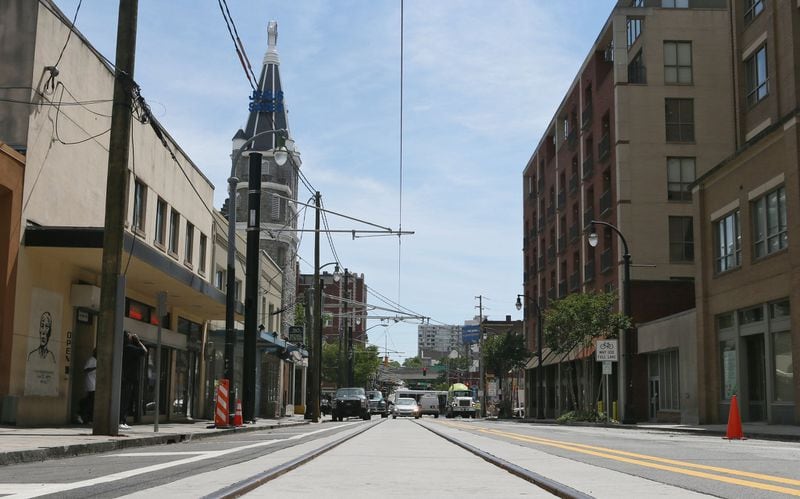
point(481, 82)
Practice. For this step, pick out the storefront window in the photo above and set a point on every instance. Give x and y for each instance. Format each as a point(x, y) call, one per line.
point(148, 397)
point(751, 315)
point(784, 374)
point(725, 321)
point(779, 309)
point(181, 396)
point(728, 362)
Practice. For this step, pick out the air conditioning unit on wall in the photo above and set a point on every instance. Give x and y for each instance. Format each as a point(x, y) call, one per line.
point(85, 296)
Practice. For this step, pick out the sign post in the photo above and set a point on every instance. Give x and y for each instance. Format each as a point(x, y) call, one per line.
point(607, 351)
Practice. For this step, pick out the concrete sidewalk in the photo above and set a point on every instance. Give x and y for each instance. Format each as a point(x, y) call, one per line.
point(763, 431)
point(22, 445)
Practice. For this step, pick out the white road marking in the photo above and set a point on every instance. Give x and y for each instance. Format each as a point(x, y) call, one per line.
point(25, 490)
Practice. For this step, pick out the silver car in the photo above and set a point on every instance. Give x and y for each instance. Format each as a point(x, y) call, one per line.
point(405, 407)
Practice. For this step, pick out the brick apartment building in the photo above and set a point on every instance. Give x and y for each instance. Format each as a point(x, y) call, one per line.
point(646, 115)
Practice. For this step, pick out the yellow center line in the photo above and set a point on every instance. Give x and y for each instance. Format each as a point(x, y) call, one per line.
point(620, 456)
point(759, 476)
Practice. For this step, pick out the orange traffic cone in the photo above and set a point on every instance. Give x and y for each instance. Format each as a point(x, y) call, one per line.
point(734, 422)
point(237, 418)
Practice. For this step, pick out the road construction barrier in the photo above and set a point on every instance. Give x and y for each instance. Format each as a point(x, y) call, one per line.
point(221, 414)
point(237, 418)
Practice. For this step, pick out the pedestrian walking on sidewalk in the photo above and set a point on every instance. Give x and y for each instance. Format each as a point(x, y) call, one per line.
point(89, 382)
point(132, 351)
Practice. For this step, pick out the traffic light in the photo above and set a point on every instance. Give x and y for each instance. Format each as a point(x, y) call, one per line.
point(424, 371)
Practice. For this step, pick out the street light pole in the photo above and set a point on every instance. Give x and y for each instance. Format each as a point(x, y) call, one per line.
point(626, 374)
point(540, 368)
point(230, 287)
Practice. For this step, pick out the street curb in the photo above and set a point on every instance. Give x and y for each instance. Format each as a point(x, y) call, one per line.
point(64, 451)
point(692, 431)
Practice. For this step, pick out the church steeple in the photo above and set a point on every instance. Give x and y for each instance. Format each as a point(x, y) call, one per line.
point(267, 105)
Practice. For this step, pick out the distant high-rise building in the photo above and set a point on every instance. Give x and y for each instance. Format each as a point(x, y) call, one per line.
point(437, 340)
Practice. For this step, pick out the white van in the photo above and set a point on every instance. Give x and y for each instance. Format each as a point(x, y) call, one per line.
point(429, 404)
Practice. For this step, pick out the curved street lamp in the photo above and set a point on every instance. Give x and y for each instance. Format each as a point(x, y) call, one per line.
point(280, 155)
point(540, 368)
point(626, 375)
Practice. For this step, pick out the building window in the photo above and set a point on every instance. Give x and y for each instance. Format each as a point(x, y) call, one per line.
point(752, 8)
point(784, 374)
point(727, 251)
point(675, 4)
point(637, 73)
point(174, 231)
point(638, 3)
point(680, 175)
point(238, 290)
point(161, 222)
point(679, 115)
point(219, 279)
point(189, 246)
point(751, 315)
point(201, 264)
point(728, 363)
point(139, 205)
point(755, 68)
point(634, 30)
point(142, 312)
point(678, 62)
point(681, 239)
point(779, 310)
point(769, 223)
point(275, 207)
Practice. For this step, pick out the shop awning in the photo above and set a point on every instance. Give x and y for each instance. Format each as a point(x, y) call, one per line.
point(147, 270)
point(549, 357)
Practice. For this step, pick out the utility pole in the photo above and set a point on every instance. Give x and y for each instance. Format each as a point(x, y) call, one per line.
point(316, 352)
point(481, 382)
point(112, 289)
point(251, 288)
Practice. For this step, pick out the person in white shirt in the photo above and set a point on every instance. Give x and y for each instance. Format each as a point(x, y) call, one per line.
point(90, 382)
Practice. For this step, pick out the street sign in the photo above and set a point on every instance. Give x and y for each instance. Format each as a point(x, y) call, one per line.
point(608, 367)
point(470, 333)
point(296, 334)
point(606, 350)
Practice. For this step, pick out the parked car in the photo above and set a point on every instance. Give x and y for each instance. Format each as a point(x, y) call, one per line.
point(377, 404)
point(429, 404)
point(405, 407)
point(350, 402)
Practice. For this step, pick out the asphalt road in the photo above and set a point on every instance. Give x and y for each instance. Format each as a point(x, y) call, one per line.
point(402, 458)
point(601, 461)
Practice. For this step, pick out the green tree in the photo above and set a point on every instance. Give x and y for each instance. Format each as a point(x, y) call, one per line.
point(412, 362)
point(393, 363)
point(364, 369)
point(366, 364)
point(330, 362)
point(573, 323)
point(501, 354)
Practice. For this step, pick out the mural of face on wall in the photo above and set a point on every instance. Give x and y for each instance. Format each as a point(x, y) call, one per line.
point(44, 344)
point(45, 330)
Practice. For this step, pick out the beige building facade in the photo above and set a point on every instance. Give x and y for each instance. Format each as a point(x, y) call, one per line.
point(748, 307)
point(170, 248)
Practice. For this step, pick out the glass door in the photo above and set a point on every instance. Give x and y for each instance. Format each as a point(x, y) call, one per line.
point(756, 377)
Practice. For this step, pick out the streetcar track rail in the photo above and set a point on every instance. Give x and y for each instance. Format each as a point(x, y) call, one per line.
point(552, 486)
point(242, 487)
